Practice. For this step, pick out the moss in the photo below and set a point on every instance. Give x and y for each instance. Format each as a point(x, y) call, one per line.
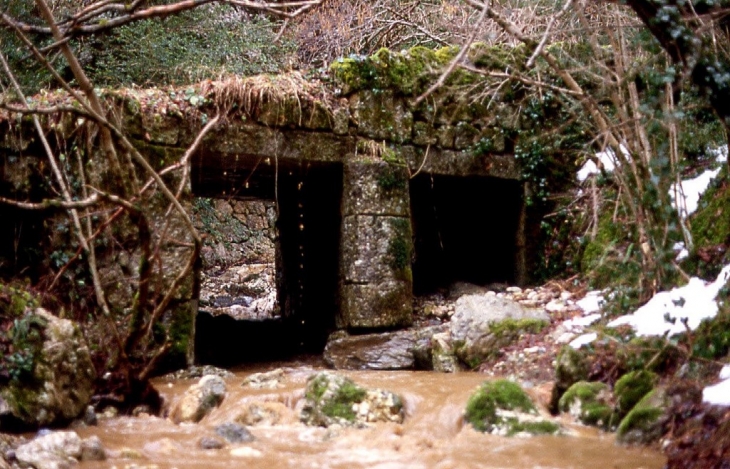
point(392, 179)
point(512, 328)
point(339, 404)
point(14, 300)
point(481, 409)
point(541, 427)
point(589, 400)
point(643, 424)
point(631, 388)
point(399, 249)
point(409, 72)
point(497, 57)
point(571, 366)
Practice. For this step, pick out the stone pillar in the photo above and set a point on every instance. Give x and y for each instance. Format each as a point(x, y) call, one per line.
point(376, 281)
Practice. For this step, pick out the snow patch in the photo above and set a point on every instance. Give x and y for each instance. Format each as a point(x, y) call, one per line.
point(667, 312)
point(607, 159)
point(592, 302)
point(717, 394)
point(582, 340)
point(690, 190)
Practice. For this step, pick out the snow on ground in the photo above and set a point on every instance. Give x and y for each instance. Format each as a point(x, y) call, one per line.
point(666, 310)
point(719, 394)
point(606, 158)
point(690, 190)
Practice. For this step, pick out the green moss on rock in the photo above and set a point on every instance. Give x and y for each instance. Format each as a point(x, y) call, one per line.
point(571, 367)
point(330, 398)
point(589, 402)
point(645, 422)
point(503, 407)
point(631, 388)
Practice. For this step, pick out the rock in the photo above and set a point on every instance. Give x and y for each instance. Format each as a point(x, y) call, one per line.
point(199, 400)
point(234, 433)
point(571, 366)
point(268, 380)
point(57, 450)
point(210, 443)
point(92, 449)
point(443, 358)
point(589, 402)
point(400, 350)
point(60, 385)
point(333, 399)
point(483, 324)
point(631, 388)
point(262, 413)
point(502, 408)
point(646, 421)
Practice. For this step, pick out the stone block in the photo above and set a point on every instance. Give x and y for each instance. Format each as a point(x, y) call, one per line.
point(376, 306)
point(376, 249)
point(375, 187)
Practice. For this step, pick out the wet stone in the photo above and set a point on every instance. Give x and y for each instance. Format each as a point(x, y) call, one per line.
point(234, 433)
point(210, 443)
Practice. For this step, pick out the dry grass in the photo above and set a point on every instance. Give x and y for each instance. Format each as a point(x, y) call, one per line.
point(250, 94)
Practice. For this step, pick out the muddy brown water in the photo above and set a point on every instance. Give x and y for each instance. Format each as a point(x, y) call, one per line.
point(432, 436)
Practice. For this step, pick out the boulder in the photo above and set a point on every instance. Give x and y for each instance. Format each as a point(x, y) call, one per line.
point(334, 399)
point(199, 400)
point(571, 366)
point(234, 433)
point(483, 324)
point(56, 450)
point(400, 350)
point(646, 422)
point(59, 385)
point(631, 388)
point(589, 402)
point(502, 408)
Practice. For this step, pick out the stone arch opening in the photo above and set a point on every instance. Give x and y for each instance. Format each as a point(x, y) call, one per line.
point(465, 229)
point(303, 201)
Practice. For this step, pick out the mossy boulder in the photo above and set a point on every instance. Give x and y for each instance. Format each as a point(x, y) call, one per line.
point(501, 407)
point(631, 388)
point(57, 382)
point(334, 399)
point(589, 402)
point(571, 367)
point(646, 421)
point(482, 325)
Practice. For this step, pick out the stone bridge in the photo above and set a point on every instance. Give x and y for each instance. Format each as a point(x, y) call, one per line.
point(378, 196)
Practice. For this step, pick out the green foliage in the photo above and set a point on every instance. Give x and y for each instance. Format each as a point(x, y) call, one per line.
point(20, 347)
point(711, 340)
point(205, 42)
point(710, 226)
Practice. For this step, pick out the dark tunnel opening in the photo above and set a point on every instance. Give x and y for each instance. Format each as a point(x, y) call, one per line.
point(307, 261)
point(465, 229)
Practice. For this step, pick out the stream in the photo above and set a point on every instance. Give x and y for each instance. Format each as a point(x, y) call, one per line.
point(432, 436)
